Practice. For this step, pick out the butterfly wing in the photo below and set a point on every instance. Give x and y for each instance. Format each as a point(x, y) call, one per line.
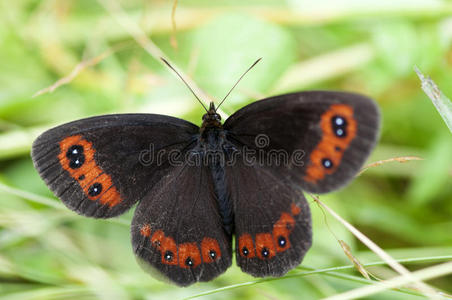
point(101, 166)
point(272, 220)
point(313, 141)
point(332, 132)
point(177, 231)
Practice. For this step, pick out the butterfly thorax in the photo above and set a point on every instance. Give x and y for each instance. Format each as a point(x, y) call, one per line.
point(211, 119)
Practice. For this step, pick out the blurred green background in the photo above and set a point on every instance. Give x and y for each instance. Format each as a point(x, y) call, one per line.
point(370, 47)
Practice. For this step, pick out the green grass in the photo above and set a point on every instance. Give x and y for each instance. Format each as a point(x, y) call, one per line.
point(49, 252)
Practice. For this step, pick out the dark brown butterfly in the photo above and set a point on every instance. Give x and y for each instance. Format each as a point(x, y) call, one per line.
point(197, 187)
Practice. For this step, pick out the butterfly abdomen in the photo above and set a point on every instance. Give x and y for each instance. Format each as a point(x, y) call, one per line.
point(222, 196)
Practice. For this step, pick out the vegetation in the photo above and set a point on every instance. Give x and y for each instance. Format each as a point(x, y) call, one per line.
point(370, 47)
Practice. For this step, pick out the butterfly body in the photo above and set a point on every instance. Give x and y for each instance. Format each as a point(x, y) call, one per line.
point(197, 188)
point(214, 150)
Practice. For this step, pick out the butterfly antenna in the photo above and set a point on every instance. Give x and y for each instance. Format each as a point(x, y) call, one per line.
point(252, 66)
point(180, 76)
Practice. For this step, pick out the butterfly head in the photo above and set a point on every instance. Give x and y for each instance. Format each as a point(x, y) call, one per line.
point(211, 118)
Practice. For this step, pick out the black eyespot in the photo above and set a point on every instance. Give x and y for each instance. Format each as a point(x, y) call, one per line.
point(245, 251)
point(339, 121)
point(77, 163)
point(157, 243)
point(189, 262)
point(75, 156)
point(265, 252)
point(81, 177)
point(337, 148)
point(340, 132)
point(212, 254)
point(339, 125)
point(282, 241)
point(74, 150)
point(327, 163)
point(95, 189)
point(168, 255)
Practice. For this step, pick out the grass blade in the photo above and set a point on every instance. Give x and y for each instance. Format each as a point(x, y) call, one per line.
point(441, 102)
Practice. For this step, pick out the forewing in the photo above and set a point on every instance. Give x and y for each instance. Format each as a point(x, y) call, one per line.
point(101, 166)
point(326, 136)
point(177, 231)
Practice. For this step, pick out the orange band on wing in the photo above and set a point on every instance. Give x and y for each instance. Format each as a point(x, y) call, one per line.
point(157, 238)
point(189, 256)
point(185, 255)
point(145, 230)
point(246, 246)
point(210, 250)
point(295, 209)
point(168, 250)
point(77, 157)
point(265, 246)
point(281, 231)
point(336, 137)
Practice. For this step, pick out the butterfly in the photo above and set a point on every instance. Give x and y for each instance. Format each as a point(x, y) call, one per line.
point(198, 188)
